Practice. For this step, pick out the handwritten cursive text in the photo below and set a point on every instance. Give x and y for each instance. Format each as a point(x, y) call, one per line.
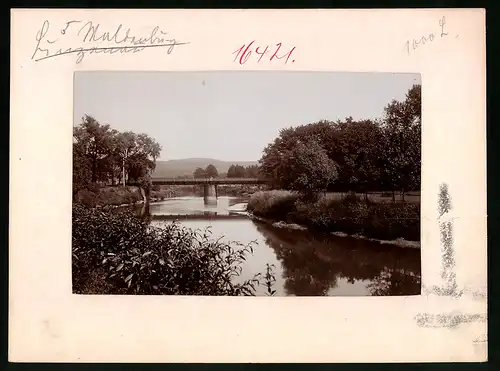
point(93, 40)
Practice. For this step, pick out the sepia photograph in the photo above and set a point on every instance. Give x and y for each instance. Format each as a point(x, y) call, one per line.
point(246, 183)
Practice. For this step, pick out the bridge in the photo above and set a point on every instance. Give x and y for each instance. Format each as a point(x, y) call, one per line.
point(207, 181)
point(210, 194)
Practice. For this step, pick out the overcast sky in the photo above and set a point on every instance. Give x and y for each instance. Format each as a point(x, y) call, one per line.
point(229, 116)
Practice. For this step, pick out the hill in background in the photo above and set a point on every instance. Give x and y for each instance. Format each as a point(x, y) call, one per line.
point(187, 166)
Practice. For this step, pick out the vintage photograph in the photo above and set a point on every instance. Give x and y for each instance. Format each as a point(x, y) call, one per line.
point(246, 183)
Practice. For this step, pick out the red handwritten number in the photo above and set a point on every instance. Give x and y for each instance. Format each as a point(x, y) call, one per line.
point(261, 54)
point(237, 52)
point(275, 55)
point(289, 55)
point(245, 55)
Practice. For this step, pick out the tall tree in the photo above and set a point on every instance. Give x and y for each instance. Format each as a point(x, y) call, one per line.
point(402, 141)
point(211, 171)
point(125, 147)
point(82, 173)
point(94, 142)
point(138, 154)
point(360, 146)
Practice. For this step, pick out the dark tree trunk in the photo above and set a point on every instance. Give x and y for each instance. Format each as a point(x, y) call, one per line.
point(393, 196)
point(94, 170)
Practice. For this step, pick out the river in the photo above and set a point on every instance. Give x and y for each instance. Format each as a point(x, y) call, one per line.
point(305, 265)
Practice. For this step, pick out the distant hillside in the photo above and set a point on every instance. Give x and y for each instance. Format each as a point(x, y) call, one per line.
point(187, 166)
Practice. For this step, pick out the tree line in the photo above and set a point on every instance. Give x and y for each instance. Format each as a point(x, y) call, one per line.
point(105, 155)
point(350, 155)
point(382, 154)
point(234, 171)
point(240, 171)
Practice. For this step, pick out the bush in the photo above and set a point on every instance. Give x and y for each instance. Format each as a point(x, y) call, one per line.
point(118, 253)
point(272, 204)
point(108, 196)
point(388, 220)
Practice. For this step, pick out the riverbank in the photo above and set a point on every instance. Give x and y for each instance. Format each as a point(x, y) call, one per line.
point(383, 222)
point(96, 196)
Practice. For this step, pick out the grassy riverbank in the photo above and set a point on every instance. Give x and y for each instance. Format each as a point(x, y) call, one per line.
point(350, 214)
point(119, 195)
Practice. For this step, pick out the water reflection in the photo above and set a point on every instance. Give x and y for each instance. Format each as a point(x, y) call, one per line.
point(316, 266)
point(306, 264)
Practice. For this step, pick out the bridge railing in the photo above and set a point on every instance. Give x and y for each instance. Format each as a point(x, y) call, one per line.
point(211, 181)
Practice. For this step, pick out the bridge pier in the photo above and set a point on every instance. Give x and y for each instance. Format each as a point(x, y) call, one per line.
point(210, 194)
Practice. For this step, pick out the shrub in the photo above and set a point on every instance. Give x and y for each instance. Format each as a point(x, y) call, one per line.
point(390, 220)
point(272, 204)
point(118, 253)
point(108, 196)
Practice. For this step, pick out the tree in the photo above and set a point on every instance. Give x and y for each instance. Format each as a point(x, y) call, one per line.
point(306, 168)
point(105, 151)
point(236, 171)
point(137, 153)
point(211, 171)
point(321, 132)
point(199, 173)
point(402, 141)
point(94, 142)
point(82, 173)
point(125, 146)
point(359, 147)
point(366, 154)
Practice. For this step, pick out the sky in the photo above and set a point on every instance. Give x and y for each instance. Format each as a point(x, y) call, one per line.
point(229, 116)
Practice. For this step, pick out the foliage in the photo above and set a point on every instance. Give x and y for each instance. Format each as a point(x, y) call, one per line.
point(239, 171)
point(82, 172)
point(118, 253)
point(349, 214)
point(236, 171)
point(211, 171)
point(95, 196)
point(402, 141)
point(199, 173)
point(272, 204)
point(306, 168)
point(270, 279)
point(102, 154)
point(350, 155)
